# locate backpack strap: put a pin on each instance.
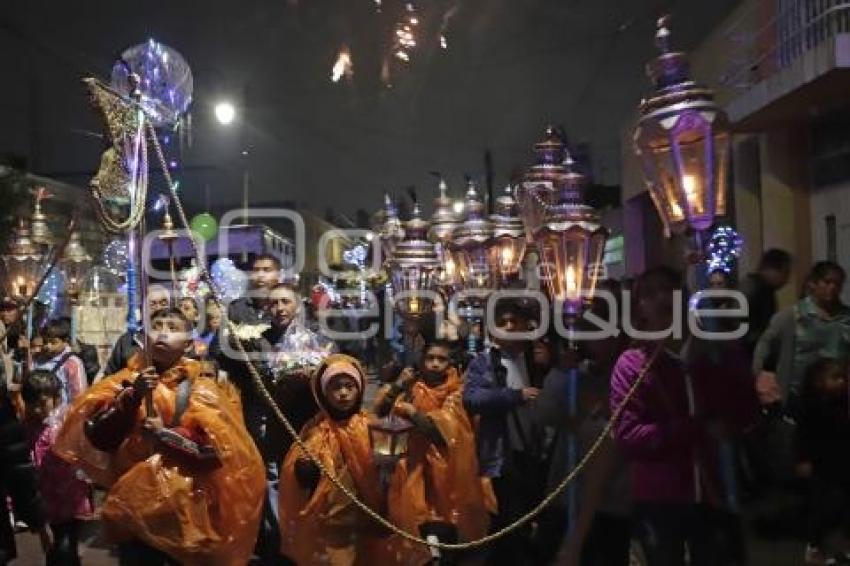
(61, 361)
(184, 390)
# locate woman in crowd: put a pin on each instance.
(670, 426)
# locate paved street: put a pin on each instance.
(95, 553)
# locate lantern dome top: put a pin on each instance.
(506, 220)
(415, 249)
(390, 226)
(22, 247)
(570, 209)
(74, 251)
(444, 219)
(670, 74)
(549, 154)
(475, 229)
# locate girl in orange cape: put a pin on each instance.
(436, 490)
(318, 523)
(185, 482)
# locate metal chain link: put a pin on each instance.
(377, 517)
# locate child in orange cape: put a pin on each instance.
(318, 523)
(436, 490)
(185, 481)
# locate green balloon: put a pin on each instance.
(205, 226)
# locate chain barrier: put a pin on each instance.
(348, 492)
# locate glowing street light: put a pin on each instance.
(225, 113)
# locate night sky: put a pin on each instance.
(511, 67)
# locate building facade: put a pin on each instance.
(781, 70)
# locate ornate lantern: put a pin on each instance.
(682, 139)
(413, 268)
(538, 188)
(38, 225)
(469, 247)
(507, 248)
(23, 262)
(443, 224)
(571, 242)
(388, 438)
(76, 263)
(389, 228)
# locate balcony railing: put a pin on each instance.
(770, 35)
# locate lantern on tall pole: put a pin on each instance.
(389, 228)
(444, 221)
(39, 228)
(571, 243)
(682, 139)
(76, 263)
(538, 188)
(507, 248)
(470, 252)
(22, 262)
(413, 268)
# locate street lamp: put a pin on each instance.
(507, 249)
(682, 139)
(225, 113)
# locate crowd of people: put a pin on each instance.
(177, 450)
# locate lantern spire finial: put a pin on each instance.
(662, 34)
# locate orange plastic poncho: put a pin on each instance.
(201, 518)
(438, 484)
(324, 526)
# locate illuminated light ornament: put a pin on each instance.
(166, 81)
(115, 257)
(230, 280)
(51, 291)
(344, 66)
(356, 256)
(723, 249)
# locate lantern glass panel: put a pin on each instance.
(382, 441)
(506, 254)
(564, 263)
(721, 163)
(473, 267)
(417, 283)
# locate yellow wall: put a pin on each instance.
(786, 218)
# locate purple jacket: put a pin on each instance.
(662, 430)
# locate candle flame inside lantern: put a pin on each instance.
(572, 285)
